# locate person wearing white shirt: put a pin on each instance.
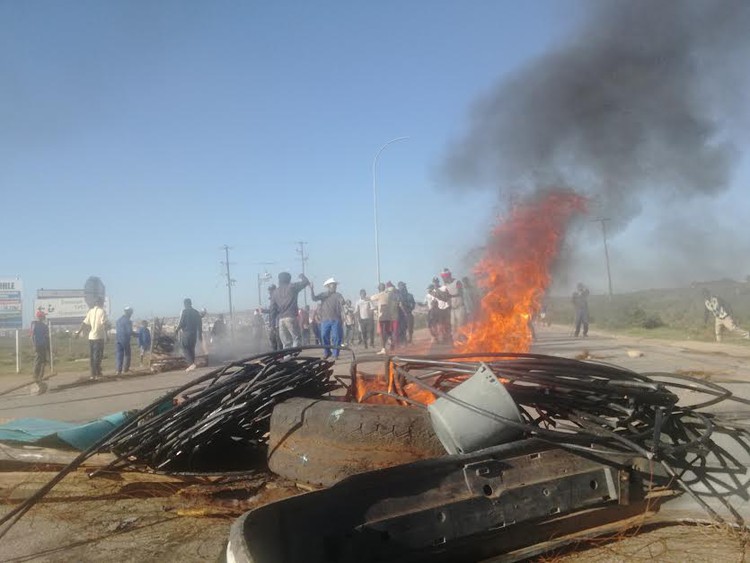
(364, 311)
(97, 324)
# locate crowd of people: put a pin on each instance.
(95, 326)
(386, 316)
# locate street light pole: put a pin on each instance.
(375, 199)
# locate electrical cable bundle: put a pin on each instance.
(226, 414)
(596, 408)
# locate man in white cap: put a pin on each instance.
(123, 334)
(331, 317)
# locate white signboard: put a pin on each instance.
(63, 309)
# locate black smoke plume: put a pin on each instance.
(640, 103)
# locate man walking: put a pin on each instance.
(40, 340)
(144, 340)
(407, 304)
(387, 308)
(364, 314)
(722, 314)
(304, 324)
(455, 293)
(442, 298)
(581, 305)
(190, 331)
(433, 314)
(273, 320)
(348, 322)
(96, 324)
(331, 317)
(284, 305)
(123, 334)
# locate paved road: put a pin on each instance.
(73, 398)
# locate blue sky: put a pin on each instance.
(139, 137)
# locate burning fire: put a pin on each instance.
(514, 275)
(514, 272)
(370, 388)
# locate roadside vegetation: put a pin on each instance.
(674, 314)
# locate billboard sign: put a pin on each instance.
(11, 303)
(63, 310)
(63, 306)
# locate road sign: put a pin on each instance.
(11, 303)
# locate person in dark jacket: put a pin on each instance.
(219, 330)
(190, 331)
(123, 334)
(407, 304)
(284, 305)
(40, 340)
(273, 320)
(581, 304)
(331, 317)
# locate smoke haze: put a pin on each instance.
(638, 107)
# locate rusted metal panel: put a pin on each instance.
(449, 509)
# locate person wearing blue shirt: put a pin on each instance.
(123, 334)
(144, 339)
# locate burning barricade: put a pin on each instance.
(483, 451)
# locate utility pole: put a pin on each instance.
(603, 221)
(230, 281)
(303, 258)
(263, 278)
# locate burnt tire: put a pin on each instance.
(321, 441)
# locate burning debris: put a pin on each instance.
(165, 351)
(583, 438)
(514, 272)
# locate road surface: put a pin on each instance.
(72, 398)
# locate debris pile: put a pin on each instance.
(165, 351)
(595, 409)
(221, 416)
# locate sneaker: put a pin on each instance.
(382, 351)
(191, 367)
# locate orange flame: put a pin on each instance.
(515, 271)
